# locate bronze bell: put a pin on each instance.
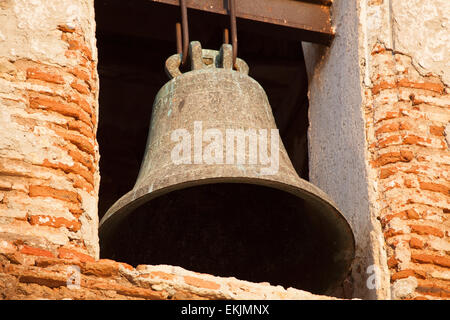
(241, 212)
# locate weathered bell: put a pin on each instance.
(217, 192)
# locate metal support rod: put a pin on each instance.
(234, 41)
(179, 38)
(185, 27)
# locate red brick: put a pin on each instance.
(437, 130)
(101, 268)
(383, 86)
(76, 211)
(387, 172)
(84, 159)
(80, 74)
(82, 128)
(402, 215)
(431, 259)
(392, 140)
(412, 214)
(392, 262)
(81, 88)
(407, 273)
(197, 282)
(66, 28)
(442, 261)
(50, 280)
(79, 141)
(44, 191)
(391, 233)
(426, 230)
(415, 140)
(435, 187)
(61, 108)
(415, 243)
(34, 73)
(87, 52)
(80, 101)
(36, 251)
(64, 253)
(81, 183)
(55, 222)
(435, 290)
(390, 127)
(436, 87)
(75, 169)
(159, 275)
(405, 126)
(73, 44)
(392, 157)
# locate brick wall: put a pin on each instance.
(36, 275)
(48, 120)
(406, 115)
(379, 112)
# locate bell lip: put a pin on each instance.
(117, 213)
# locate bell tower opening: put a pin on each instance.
(134, 39)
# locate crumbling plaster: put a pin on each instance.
(29, 28)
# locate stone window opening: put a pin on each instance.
(131, 71)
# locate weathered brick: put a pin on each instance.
(435, 187)
(427, 230)
(197, 282)
(79, 141)
(436, 87)
(159, 275)
(435, 290)
(81, 88)
(431, 259)
(416, 243)
(36, 251)
(101, 268)
(407, 273)
(65, 253)
(59, 107)
(45, 191)
(437, 130)
(80, 74)
(76, 169)
(391, 233)
(55, 222)
(392, 157)
(34, 73)
(412, 214)
(390, 127)
(81, 102)
(387, 172)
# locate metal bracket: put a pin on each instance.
(306, 20)
(205, 59)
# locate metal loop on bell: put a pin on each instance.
(222, 59)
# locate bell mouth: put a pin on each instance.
(277, 234)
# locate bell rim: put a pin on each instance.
(115, 216)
